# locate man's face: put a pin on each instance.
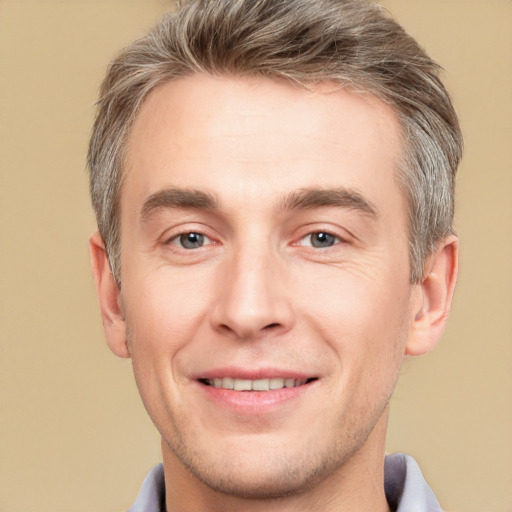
(264, 247)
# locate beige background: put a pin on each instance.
(73, 434)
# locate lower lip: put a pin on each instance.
(254, 402)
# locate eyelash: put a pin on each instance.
(331, 238)
(181, 239)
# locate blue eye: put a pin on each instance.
(191, 240)
(319, 240)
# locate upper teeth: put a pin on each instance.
(255, 385)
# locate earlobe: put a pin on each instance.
(109, 297)
(434, 298)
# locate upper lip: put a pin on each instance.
(252, 374)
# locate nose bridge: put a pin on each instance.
(252, 298)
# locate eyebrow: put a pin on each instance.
(310, 198)
(177, 198)
(303, 199)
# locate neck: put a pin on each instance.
(357, 485)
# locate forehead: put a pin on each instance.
(245, 135)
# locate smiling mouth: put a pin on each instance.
(255, 385)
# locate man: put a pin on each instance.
(273, 183)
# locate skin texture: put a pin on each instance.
(259, 168)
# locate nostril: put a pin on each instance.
(270, 326)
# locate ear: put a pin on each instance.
(433, 298)
(109, 296)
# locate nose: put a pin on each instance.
(252, 298)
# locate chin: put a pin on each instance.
(254, 484)
(261, 476)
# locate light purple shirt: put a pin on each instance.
(406, 489)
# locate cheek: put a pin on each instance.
(163, 315)
(336, 294)
(165, 308)
(363, 317)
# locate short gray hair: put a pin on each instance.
(353, 43)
